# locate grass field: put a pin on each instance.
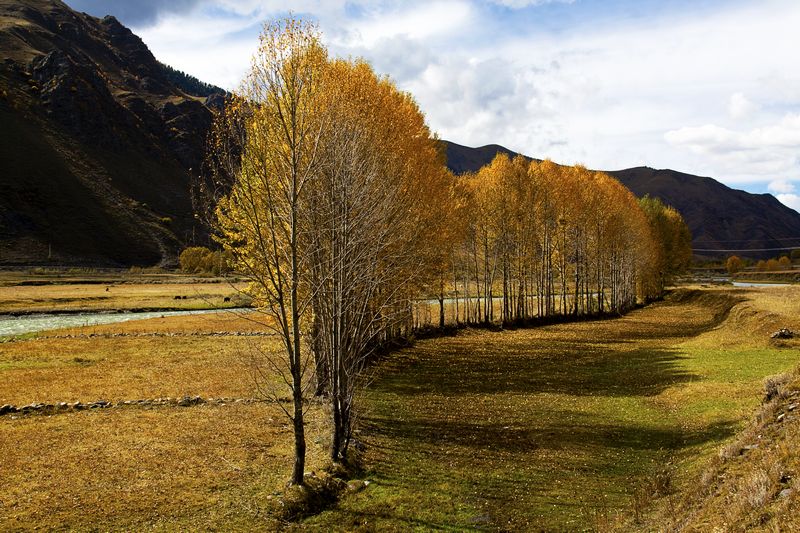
(99, 292)
(564, 427)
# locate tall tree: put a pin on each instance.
(263, 155)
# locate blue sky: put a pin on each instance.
(708, 87)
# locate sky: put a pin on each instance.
(708, 87)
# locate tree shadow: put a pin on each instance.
(574, 371)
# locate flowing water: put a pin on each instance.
(18, 325)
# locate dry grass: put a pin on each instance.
(119, 296)
(134, 468)
(223, 321)
(87, 369)
(198, 468)
(557, 427)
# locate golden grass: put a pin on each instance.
(155, 468)
(119, 296)
(165, 469)
(554, 427)
(219, 322)
(55, 370)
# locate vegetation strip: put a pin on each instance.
(144, 334)
(185, 401)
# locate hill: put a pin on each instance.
(97, 141)
(719, 217)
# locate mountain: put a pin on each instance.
(97, 141)
(720, 218)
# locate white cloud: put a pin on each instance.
(740, 107)
(781, 186)
(681, 89)
(519, 4)
(762, 152)
(790, 200)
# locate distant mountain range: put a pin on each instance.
(98, 141)
(719, 217)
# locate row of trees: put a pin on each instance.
(735, 264)
(331, 195)
(537, 239)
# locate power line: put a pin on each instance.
(747, 249)
(750, 240)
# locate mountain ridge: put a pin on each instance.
(100, 139)
(98, 142)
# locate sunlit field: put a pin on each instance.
(98, 292)
(565, 427)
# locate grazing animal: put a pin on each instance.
(226, 299)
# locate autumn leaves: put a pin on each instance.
(332, 196)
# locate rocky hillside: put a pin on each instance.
(97, 142)
(718, 216)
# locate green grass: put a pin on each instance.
(549, 429)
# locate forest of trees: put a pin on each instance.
(188, 83)
(330, 194)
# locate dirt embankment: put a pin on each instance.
(753, 481)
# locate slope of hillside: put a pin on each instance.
(461, 159)
(97, 142)
(719, 217)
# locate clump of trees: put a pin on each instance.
(734, 264)
(188, 83)
(201, 260)
(327, 184)
(546, 239)
(774, 264)
(330, 194)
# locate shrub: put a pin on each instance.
(199, 259)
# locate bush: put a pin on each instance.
(734, 264)
(201, 260)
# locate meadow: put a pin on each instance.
(583, 426)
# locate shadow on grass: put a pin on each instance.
(517, 431)
(459, 370)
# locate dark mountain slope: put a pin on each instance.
(461, 159)
(96, 144)
(719, 217)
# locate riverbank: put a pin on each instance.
(23, 293)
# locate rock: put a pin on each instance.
(749, 447)
(5, 409)
(780, 417)
(356, 485)
(785, 493)
(792, 406)
(783, 333)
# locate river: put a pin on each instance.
(18, 325)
